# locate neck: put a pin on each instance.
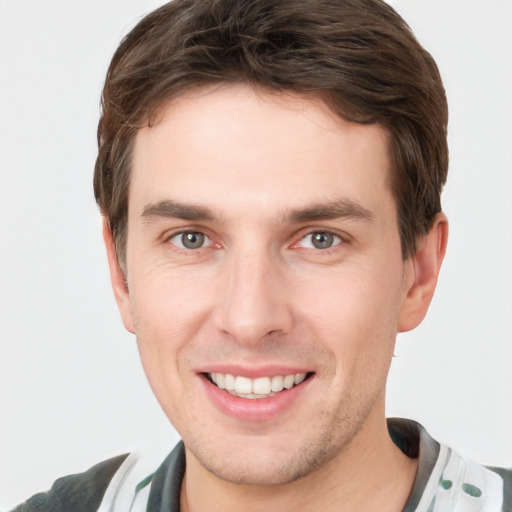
(369, 474)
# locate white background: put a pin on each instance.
(72, 392)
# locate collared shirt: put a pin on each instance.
(444, 482)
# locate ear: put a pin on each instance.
(422, 271)
(118, 279)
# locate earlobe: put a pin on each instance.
(118, 279)
(423, 270)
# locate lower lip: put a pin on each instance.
(254, 409)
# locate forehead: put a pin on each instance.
(232, 143)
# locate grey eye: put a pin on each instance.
(190, 240)
(320, 240)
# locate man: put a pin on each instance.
(270, 177)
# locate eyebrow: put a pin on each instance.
(343, 208)
(174, 209)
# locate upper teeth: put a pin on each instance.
(261, 387)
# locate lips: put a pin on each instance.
(254, 393)
(258, 388)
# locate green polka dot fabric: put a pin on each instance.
(458, 485)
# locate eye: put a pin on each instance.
(190, 240)
(319, 240)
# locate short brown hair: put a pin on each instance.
(359, 56)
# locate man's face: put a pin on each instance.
(263, 244)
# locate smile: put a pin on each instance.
(261, 387)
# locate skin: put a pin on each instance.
(258, 294)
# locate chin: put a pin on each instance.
(268, 466)
(258, 473)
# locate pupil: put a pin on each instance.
(192, 240)
(322, 240)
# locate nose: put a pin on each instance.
(254, 301)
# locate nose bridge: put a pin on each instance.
(253, 302)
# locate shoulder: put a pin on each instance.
(462, 485)
(79, 492)
(126, 482)
(506, 475)
(446, 480)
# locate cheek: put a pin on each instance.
(165, 323)
(354, 312)
(168, 311)
(166, 298)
